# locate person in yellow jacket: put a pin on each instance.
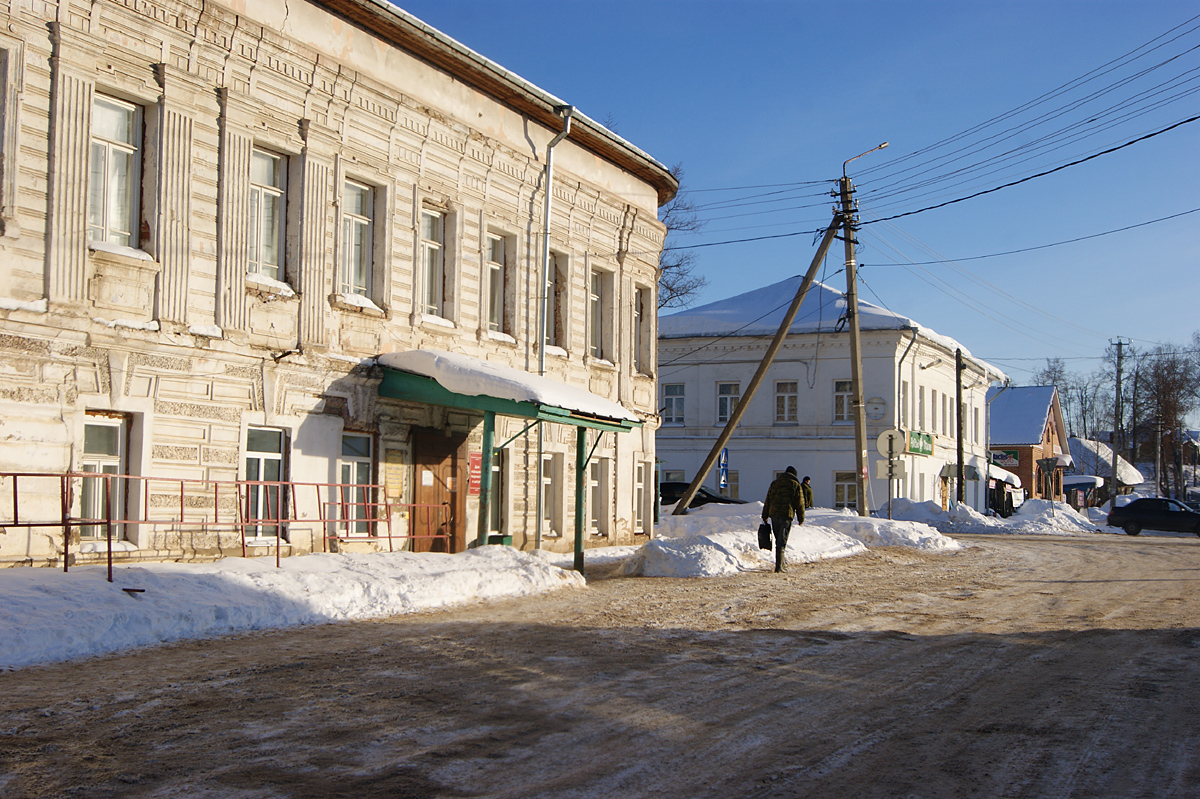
(784, 499)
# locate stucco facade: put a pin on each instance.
(802, 415)
(215, 216)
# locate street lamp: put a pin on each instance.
(855, 158)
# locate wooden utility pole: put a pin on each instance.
(1114, 444)
(736, 415)
(959, 367)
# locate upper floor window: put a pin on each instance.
(673, 396)
(642, 317)
(843, 394)
(920, 407)
(904, 404)
(499, 280)
(599, 303)
(933, 411)
(728, 395)
(433, 262)
(357, 238)
(267, 192)
(787, 402)
(114, 172)
(556, 282)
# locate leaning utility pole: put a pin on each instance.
(740, 408)
(849, 226)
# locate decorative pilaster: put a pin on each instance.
(232, 215)
(315, 253)
(174, 216)
(71, 95)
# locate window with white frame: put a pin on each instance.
(556, 307)
(103, 454)
(728, 395)
(268, 176)
(904, 404)
(845, 490)
(598, 493)
(433, 262)
(354, 484)
(921, 408)
(642, 319)
(975, 425)
(947, 409)
(933, 411)
(114, 171)
(641, 508)
(497, 269)
(264, 471)
(787, 402)
(673, 476)
(552, 500)
(599, 305)
(842, 398)
(673, 397)
(358, 202)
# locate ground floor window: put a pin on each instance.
(845, 490)
(103, 497)
(264, 466)
(731, 485)
(673, 476)
(354, 478)
(497, 494)
(643, 510)
(552, 479)
(598, 493)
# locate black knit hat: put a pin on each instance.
(791, 470)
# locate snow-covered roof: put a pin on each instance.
(463, 374)
(1003, 475)
(1082, 480)
(760, 312)
(1019, 414)
(1095, 457)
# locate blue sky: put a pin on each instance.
(778, 95)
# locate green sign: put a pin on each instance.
(920, 443)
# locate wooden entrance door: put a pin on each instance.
(441, 466)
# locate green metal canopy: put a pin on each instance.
(401, 385)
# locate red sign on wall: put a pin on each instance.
(474, 470)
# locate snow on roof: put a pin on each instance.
(1079, 480)
(463, 374)
(1095, 457)
(1003, 475)
(1019, 414)
(760, 312)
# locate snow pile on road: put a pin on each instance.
(1034, 517)
(716, 540)
(46, 615)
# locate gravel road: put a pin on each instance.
(1018, 667)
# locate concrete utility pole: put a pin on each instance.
(1114, 444)
(850, 226)
(736, 416)
(959, 367)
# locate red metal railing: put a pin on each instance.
(341, 511)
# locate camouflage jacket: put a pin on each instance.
(784, 499)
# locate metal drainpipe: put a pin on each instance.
(899, 382)
(566, 111)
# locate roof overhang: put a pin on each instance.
(1003, 475)
(457, 381)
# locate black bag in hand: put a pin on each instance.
(764, 535)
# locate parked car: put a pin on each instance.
(670, 492)
(1155, 513)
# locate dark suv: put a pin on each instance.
(670, 493)
(1155, 513)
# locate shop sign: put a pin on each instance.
(920, 443)
(1006, 458)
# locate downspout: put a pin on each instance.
(899, 397)
(566, 111)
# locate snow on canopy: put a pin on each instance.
(473, 377)
(760, 312)
(1095, 457)
(1004, 476)
(1019, 414)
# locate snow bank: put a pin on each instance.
(1034, 517)
(46, 615)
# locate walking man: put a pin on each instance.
(784, 498)
(807, 489)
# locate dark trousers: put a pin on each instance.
(780, 527)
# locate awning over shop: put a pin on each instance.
(996, 473)
(451, 380)
(460, 381)
(951, 470)
(1082, 481)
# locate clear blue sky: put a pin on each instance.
(754, 93)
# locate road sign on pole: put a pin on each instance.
(723, 469)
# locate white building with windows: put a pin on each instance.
(802, 413)
(216, 218)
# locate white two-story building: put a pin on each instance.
(802, 414)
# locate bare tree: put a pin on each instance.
(678, 283)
